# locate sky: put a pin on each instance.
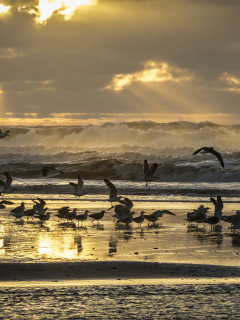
(74, 62)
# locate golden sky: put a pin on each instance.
(91, 61)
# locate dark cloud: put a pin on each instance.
(80, 56)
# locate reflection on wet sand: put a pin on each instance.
(167, 241)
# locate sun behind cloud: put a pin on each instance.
(4, 8)
(65, 7)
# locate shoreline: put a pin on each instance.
(112, 271)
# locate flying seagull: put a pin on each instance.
(7, 183)
(148, 172)
(78, 186)
(211, 150)
(4, 134)
(46, 169)
(113, 191)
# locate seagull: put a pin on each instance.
(97, 216)
(46, 169)
(123, 210)
(211, 150)
(217, 212)
(71, 215)
(140, 219)
(7, 183)
(78, 187)
(113, 192)
(82, 217)
(153, 217)
(149, 172)
(40, 204)
(235, 223)
(4, 134)
(218, 207)
(30, 212)
(44, 217)
(127, 219)
(199, 215)
(62, 212)
(3, 202)
(18, 212)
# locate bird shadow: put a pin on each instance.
(98, 226)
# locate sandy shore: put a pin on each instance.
(93, 270)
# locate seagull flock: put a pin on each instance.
(122, 210)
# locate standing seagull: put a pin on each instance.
(149, 172)
(18, 212)
(7, 183)
(113, 192)
(97, 216)
(4, 134)
(45, 170)
(211, 150)
(78, 187)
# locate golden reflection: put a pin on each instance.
(52, 247)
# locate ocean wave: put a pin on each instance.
(123, 136)
(124, 170)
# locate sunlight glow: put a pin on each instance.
(4, 8)
(64, 7)
(153, 72)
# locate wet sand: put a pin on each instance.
(111, 270)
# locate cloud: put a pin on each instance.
(153, 72)
(232, 81)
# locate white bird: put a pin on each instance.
(211, 150)
(149, 172)
(122, 209)
(113, 192)
(235, 223)
(78, 187)
(7, 184)
(218, 207)
(18, 212)
(4, 134)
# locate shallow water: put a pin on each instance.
(185, 301)
(171, 240)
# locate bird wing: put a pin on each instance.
(111, 187)
(152, 170)
(219, 208)
(80, 181)
(219, 157)
(8, 179)
(214, 202)
(198, 151)
(73, 184)
(145, 167)
(45, 171)
(6, 202)
(168, 212)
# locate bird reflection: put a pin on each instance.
(78, 242)
(65, 225)
(112, 246)
(43, 227)
(98, 226)
(201, 234)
